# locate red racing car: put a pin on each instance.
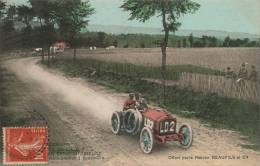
(152, 124)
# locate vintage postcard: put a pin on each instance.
(130, 82)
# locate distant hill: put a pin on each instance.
(117, 29)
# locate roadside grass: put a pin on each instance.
(8, 118)
(219, 112)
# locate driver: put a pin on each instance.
(129, 103)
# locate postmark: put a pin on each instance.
(25, 145)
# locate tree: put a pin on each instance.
(7, 29)
(7, 34)
(101, 36)
(168, 10)
(25, 14)
(213, 41)
(179, 43)
(204, 41)
(11, 12)
(191, 40)
(115, 43)
(2, 9)
(2, 12)
(226, 42)
(184, 43)
(44, 11)
(71, 17)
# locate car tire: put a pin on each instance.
(139, 123)
(146, 140)
(116, 122)
(187, 136)
(130, 117)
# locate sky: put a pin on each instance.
(225, 15)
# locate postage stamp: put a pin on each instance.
(25, 145)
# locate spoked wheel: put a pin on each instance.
(146, 140)
(187, 136)
(116, 122)
(130, 121)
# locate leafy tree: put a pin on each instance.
(213, 41)
(169, 11)
(2, 12)
(44, 11)
(7, 33)
(197, 44)
(25, 14)
(204, 41)
(184, 43)
(2, 9)
(71, 17)
(115, 43)
(226, 42)
(142, 44)
(101, 36)
(11, 12)
(179, 44)
(7, 29)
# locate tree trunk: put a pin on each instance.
(42, 32)
(74, 55)
(48, 56)
(164, 53)
(42, 54)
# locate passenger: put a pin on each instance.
(143, 104)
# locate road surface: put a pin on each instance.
(84, 110)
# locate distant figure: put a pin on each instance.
(92, 48)
(243, 73)
(230, 73)
(241, 81)
(38, 49)
(253, 74)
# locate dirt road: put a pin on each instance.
(84, 110)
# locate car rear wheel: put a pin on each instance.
(187, 136)
(146, 140)
(116, 122)
(138, 123)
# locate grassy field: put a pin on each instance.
(214, 58)
(219, 111)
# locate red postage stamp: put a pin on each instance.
(25, 145)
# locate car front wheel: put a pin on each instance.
(187, 136)
(146, 140)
